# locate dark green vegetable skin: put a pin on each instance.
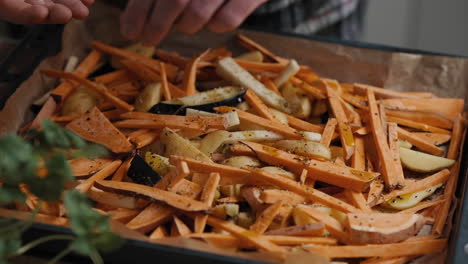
(142, 173)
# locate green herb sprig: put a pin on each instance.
(21, 160)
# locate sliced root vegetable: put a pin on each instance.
(309, 149)
(150, 96)
(121, 172)
(381, 93)
(381, 228)
(137, 48)
(389, 166)
(426, 117)
(290, 70)
(311, 229)
(79, 102)
(417, 125)
(173, 144)
(255, 56)
(86, 167)
(433, 138)
(384, 250)
(265, 218)
(279, 171)
(257, 104)
(270, 85)
(172, 199)
(328, 132)
(230, 70)
(405, 144)
(179, 228)
(303, 125)
(410, 200)
(231, 118)
(423, 162)
(300, 104)
(252, 45)
(446, 106)
(308, 89)
(210, 188)
(242, 161)
(331, 224)
(159, 164)
(152, 216)
(419, 142)
(190, 75)
(340, 176)
(158, 233)
(101, 175)
(309, 193)
(123, 215)
(273, 196)
(115, 200)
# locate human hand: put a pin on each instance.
(151, 20)
(43, 11)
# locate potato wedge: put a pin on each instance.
(255, 56)
(405, 144)
(139, 48)
(423, 162)
(150, 96)
(411, 199)
(279, 171)
(310, 149)
(300, 103)
(79, 102)
(242, 161)
(173, 144)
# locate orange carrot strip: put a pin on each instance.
(86, 67)
(274, 196)
(303, 125)
(457, 137)
(146, 139)
(99, 88)
(265, 218)
(419, 143)
(200, 223)
(102, 174)
(328, 132)
(375, 190)
(172, 199)
(310, 90)
(419, 185)
(344, 177)
(417, 125)
(252, 45)
(233, 242)
(137, 133)
(261, 66)
(270, 84)
(158, 233)
(129, 55)
(152, 216)
(259, 106)
(190, 75)
(165, 84)
(433, 138)
(380, 93)
(358, 160)
(389, 170)
(113, 114)
(383, 250)
(179, 228)
(113, 77)
(46, 112)
(123, 215)
(172, 58)
(394, 145)
(86, 167)
(268, 124)
(95, 127)
(429, 118)
(347, 139)
(331, 224)
(120, 174)
(257, 240)
(309, 193)
(211, 186)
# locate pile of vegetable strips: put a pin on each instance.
(258, 152)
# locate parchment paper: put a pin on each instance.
(443, 76)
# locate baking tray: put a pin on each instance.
(44, 40)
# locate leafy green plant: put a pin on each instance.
(39, 161)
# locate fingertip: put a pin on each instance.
(59, 14)
(38, 14)
(87, 2)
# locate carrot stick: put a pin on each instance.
(257, 104)
(123, 215)
(383, 250)
(165, 84)
(86, 67)
(357, 199)
(273, 196)
(133, 135)
(252, 45)
(417, 125)
(114, 77)
(380, 93)
(310, 90)
(190, 75)
(172, 199)
(258, 241)
(85, 167)
(419, 185)
(99, 88)
(394, 145)
(270, 84)
(449, 107)
(158, 233)
(307, 192)
(375, 190)
(46, 112)
(200, 223)
(328, 132)
(233, 242)
(120, 174)
(102, 174)
(172, 58)
(129, 55)
(346, 136)
(389, 168)
(331, 224)
(265, 218)
(429, 118)
(261, 66)
(146, 139)
(457, 137)
(344, 177)
(269, 125)
(433, 138)
(211, 186)
(179, 228)
(419, 143)
(303, 125)
(152, 216)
